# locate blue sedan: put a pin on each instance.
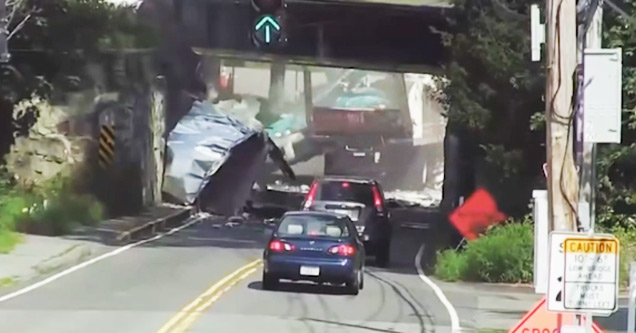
(320, 247)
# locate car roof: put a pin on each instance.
(313, 213)
(353, 179)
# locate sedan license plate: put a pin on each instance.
(309, 270)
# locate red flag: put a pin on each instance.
(476, 214)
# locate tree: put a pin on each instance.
(616, 200)
(493, 92)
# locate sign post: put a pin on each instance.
(631, 313)
(583, 276)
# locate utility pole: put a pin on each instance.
(591, 39)
(4, 33)
(561, 45)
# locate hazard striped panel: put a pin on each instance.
(106, 146)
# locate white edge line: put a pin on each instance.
(93, 260)
(454, 318)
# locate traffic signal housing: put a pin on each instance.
(267, 30)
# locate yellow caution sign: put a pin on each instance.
(106, 146)
(597, 246)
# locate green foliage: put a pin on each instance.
(53, 208)
(627, 238)
(8, 240)
(494, 93)
(494, 87)
(503, 254)
(82, 25)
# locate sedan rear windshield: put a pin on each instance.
(313, 226)
(345, 191)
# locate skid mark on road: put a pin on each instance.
(186, 317)
(366, 328)
(424, 327)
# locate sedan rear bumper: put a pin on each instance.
(337, 270)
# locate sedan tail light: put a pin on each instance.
(377, 199)
(278, 246)
(343, 250)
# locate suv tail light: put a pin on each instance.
(343, 250)
(278, 246)
(311, 195)
(377, 199)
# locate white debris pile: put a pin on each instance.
(426, 198)
(244, 111)
(282, 187)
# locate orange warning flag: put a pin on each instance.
(476, 214)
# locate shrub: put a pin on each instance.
(53, 208)
(503, 254)
(627, 238)
(8, 240)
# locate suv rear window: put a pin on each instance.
(313, 226)
(345, 191)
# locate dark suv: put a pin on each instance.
(363, 201)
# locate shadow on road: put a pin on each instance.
(301, 287)
(617, 322)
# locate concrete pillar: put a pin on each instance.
(157, 141)
(277, 86)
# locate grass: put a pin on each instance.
(7, 281)
(503, 254)
(8, 240)
(52, 208)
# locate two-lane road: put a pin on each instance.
(207, 279)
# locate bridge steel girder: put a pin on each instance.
(324, 33)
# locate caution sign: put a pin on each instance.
(591, 274)
(106, 146)
(540, 320)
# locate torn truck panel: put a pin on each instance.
(213, 159)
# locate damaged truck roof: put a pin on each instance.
(213, 160)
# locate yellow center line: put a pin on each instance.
(184, 319)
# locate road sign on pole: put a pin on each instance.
(583, 273)
(591, 274)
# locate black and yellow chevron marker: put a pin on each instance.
(106, 146)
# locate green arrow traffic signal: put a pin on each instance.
(267, 22)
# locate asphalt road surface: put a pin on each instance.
(204, 278)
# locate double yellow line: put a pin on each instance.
(184, 319)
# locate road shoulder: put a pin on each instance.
(37, 256)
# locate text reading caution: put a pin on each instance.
(591, 274)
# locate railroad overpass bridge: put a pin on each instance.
(386, 35)
(199, 35)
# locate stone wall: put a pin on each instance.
(119, 89)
